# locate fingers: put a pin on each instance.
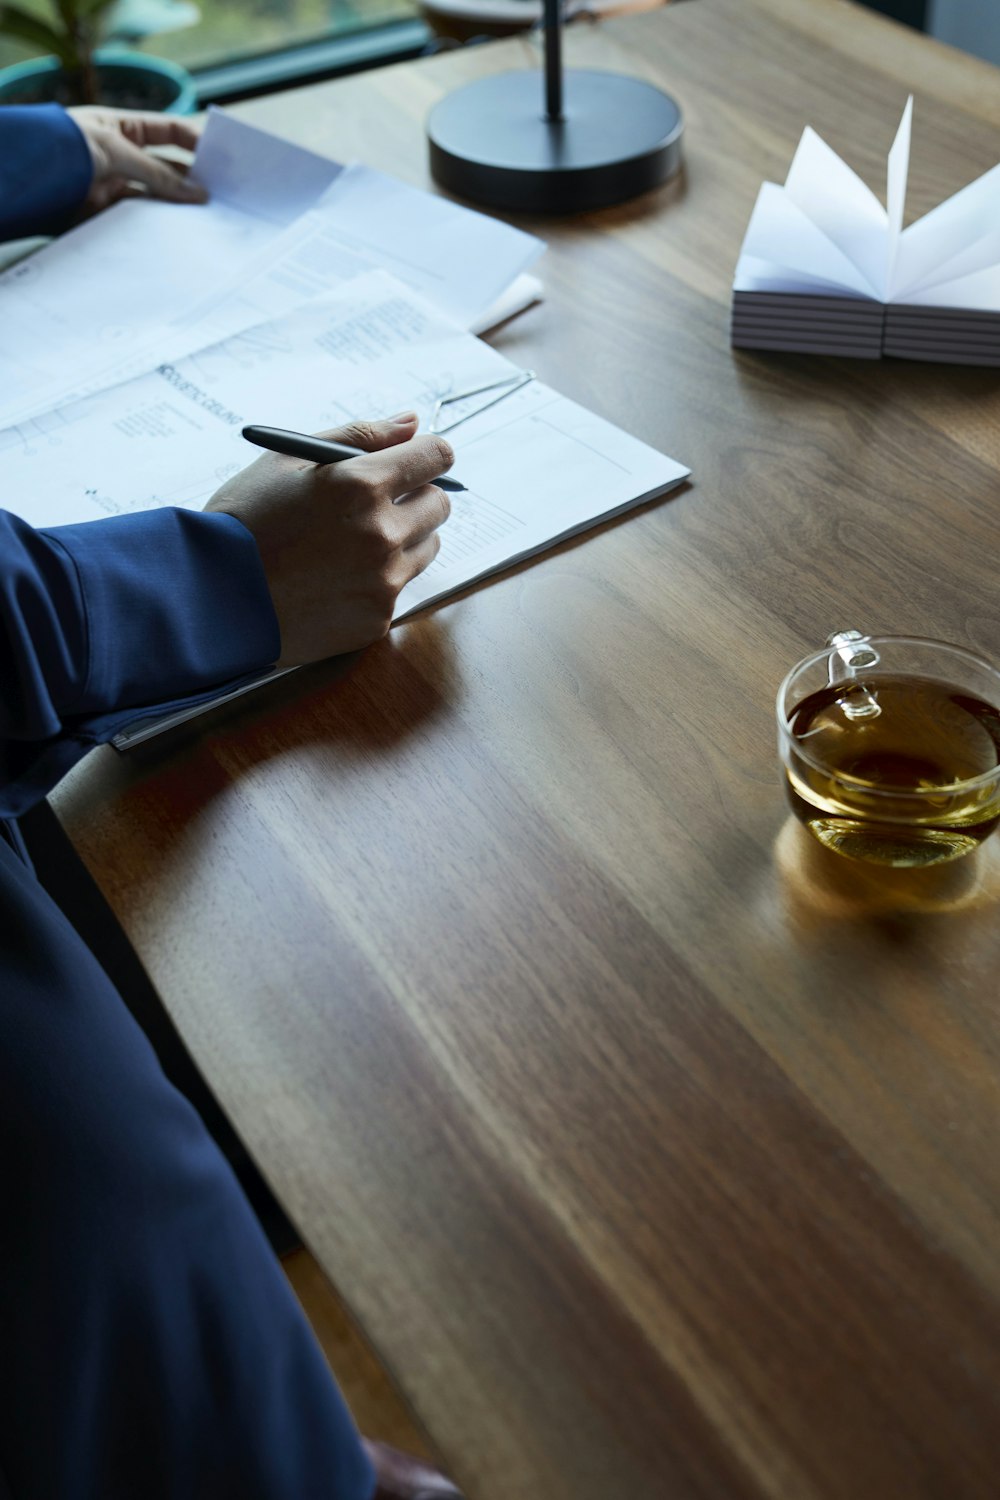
(161, 180)
(420, 514)
(145, 129)
(415, 559)
(141, 127)
(105, 194)
(372, 436)
(335, 550)
(400, 470)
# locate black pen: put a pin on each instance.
(318, 450)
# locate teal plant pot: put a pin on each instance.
(126, 80)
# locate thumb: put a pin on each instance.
(158, 176)
(371, 436)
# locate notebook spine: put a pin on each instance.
(797, 323)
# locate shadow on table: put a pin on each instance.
(365, 700)
(362, 701)
(818, 885)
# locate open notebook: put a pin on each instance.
(826, 269)
(538, 467)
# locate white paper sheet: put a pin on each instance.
(978, 292)
(538, 467)
(173, 436)
(87, 308)
(897, 170)
(151, 282)
(461, 261)
(524, 291)
(258, 173)
(790, 251)
(843, 209)
(958, 237)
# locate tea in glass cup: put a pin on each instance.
(891, 748)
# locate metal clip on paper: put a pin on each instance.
(505, 387)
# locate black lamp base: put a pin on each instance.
(491, 141)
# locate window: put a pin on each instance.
(230, 29)
(236, 47)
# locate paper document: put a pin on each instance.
(146, 282)
(524, 291)
(466, 264)
(114, 288)
(460, 260)
(825, 268)
(538, 467)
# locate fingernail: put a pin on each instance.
(404, 419)
(193, 191)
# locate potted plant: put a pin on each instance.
(76, 69)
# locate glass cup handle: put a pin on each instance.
(851, 652)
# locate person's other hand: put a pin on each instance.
(339, 541)
(124, 167)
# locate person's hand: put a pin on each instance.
(338, 542)
(118, 141)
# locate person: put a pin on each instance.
(152, 1347)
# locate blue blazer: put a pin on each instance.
(152, 1346)
(45, 169)
(100, 620)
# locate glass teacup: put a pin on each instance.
(891, 748)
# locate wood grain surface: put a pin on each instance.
(655, 1148)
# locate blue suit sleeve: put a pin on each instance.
(45, 169)
(100, 620)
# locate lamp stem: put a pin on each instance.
(553, 60)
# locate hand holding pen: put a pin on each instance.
(339, 541)
(320, 450)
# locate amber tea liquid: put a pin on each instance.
(905, 741)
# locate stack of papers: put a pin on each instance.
(146, 282)
(304, 296)
(825, 269)
(538, 467)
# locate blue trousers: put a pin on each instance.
(150, 1348)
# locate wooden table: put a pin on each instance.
(657, 1155)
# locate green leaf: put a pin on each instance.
(25, 27)
(91, 9)
(67, 12)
